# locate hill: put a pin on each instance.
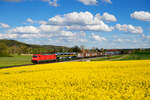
(20, 47)
(11, 43)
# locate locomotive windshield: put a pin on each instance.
(35, 56)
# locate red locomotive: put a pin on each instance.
(37, 58)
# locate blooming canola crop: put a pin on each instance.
(105, 80)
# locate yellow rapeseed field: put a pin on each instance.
(105, 80)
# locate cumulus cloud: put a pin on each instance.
(81, 18)
(3, 25)
(24, 29)
(59, 37)
(9, 36)
(107, 1)
(89, 2)
(129, 28)
(52, 2)
(141, 15)
(24, 36)
(49, 28)
(100, 27)
(67, 33)
(98, 38)
(108, 17)
(146, 36)
(31, 36)
(71, 37)
(82, 21)
(29, 20)
(94, 2)
(52, 32)
(42, 22)
(122, 40)
(35, 30)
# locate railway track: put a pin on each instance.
(79, 59)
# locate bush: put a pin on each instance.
(3, 50)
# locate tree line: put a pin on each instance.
(23, 49)
(6, 50)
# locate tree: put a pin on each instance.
(3, 50)
(76, 49)
(70, 50)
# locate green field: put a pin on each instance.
(15, 60)
(20, 60)
(135, 56)
(107, 58)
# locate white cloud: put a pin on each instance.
(35, 30)
(107, 1)
(38, 35)
(50, 32)
(146, 36)
(24, 29)
(30, 20)
(89, 2)
(24, 36)
(98, 38)
(73, 18)
(100, 27)
(122, 40)
(129, 28)
(141, 15)
(67, 33)
(42, 22)
(1, 36)
(49, 28)
(71, 37)
(94, 2)
(2, 25)
(12, 36)
(119, 40)
(108, 17)
(82, 21)
(52, 2)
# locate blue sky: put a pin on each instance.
(92, 23)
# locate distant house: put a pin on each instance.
(112, 52)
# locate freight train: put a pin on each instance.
(38, 58)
